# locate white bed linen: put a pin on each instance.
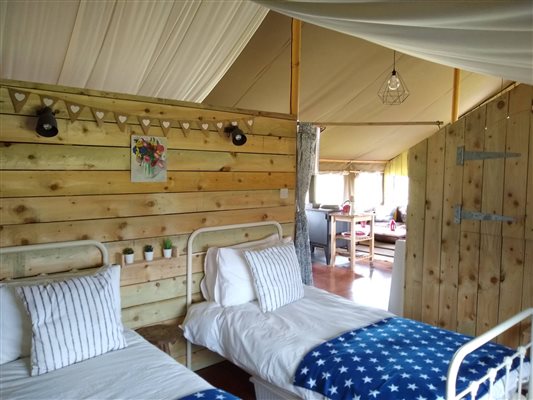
(140, 371)
(271, 345)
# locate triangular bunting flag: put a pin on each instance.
(74, 110)
(121, 120)
(98, 116)
(18, 98)
(165, 125)
(220, 126)
(48, 101)
(145, 124)
(204, 126)
(249, 122)
(185, 127)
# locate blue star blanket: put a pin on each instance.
(395, 359)
(210, 394)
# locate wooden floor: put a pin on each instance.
(367, 286)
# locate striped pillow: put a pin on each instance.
(72, 320)
(276, 275)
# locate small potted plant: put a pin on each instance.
(128, 255)
(148, 252)
(167, 248)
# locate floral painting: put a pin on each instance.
(148, 159)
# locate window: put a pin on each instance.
(368, 190)
(329, 189)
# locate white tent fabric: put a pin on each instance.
(126, 46)
(493, 37)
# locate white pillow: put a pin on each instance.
(72, 320)
(234, 284)
(209, 282)
(276, 274)
(234, 280)
(15, 324)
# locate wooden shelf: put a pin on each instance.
(358, 238)
(155, 261)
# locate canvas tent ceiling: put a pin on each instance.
(210, 51)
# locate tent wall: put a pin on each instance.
(77, 186)
(471, 275)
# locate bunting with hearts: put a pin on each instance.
(185, 127)
(74, 110)
(204, 126)
(121, 120)
(20, 97)
(165, 126)
(48, 101)
(145, 122)
(99, 116)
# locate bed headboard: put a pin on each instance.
(58, 245)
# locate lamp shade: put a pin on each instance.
(393, 90)
(238, 138)
(46, 123)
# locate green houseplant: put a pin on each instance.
(148, 252)
(167, 248)
(129, 255)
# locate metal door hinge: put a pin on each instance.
(463, 155)
(461, 214)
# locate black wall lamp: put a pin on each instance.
(46, 123)
(237, 135)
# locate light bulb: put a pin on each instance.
(47, 127)
(393, 82)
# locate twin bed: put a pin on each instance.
(93, 360)
(296, 341)
(367, 353)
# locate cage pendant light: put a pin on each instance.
(393, 90)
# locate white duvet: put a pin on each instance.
(140, 371)
(271, 345)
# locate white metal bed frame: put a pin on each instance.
(264, 390)
(58, 245)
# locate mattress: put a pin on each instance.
(140, 371)
(271, 345)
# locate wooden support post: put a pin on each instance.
(455, 93)
(296, 26)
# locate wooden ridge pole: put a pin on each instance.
(455, 93)
(296, 38)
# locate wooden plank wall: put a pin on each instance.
(471, 276)
(77, 186)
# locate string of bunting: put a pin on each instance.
(20, 97)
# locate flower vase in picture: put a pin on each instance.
(148, 159)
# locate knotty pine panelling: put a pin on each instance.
(472, 275)
(77, 186)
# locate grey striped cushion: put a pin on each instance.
(72, 320)
(276, 275)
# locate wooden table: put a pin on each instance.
(161, 336)
(352, 238)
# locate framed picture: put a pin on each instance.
(148, 159)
